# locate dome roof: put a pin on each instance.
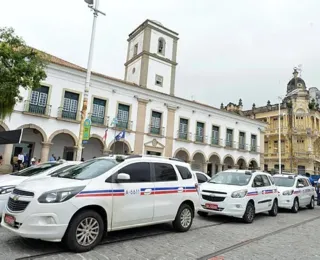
(295, 83)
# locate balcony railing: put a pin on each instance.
(69, 115)
(156, 130)
(124, 125)
(230, 144)
(102, 121)
(37, 109)
(216, 141)
(200, 138)
(243, 146)
(187, 136)
(254, 149)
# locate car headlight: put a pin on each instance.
(287, 192)
(239, 194)
(6, 189)
(61, 195)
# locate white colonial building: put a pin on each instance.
(154, 119)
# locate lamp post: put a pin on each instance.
(88, 76)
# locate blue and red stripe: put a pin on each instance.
(101, 193)
(252, 193)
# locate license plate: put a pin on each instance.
(10, 220)
(211, 206)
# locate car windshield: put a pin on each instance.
(88, 170)
(231, 178)
(283, 182)
(33, 170)
(62, 169)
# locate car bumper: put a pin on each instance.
(285, 202)
(3, 202)
(41, 221)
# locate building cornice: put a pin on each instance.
(151, 55)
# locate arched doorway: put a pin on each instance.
(242, 165)
(94, 148)
(120, 147)
(31, 143)
(63, 145)
(228, 162)
(2, 129)
(253, 165)
(198, 161)
(214, 163)
(182, 154)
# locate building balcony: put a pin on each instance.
(254, 149)
(184, 136)
(68, 115)
(39, 110)
(230, 144)
(152, 130)
(217, 142)
(124, 125)
(243, 147)
(275, 130)
(202, 139)
(99, 121)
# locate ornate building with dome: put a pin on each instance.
(300, 130)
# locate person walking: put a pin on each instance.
(20, 160)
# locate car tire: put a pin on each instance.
(184, 218)
(295, 206)
(274, 210)
(312, 202)
(203, 214)
(82, 219)
(249, 214)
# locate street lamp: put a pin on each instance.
(96, 11)
(279, 125)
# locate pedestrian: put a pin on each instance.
(1, 159)
(33, 161)
(20, 160)
(52, 158)
(318, 192)
(82, 159)
(38, 162)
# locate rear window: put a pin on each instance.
(34, 170)
(283, 181)
(165, 172)
(184, 172)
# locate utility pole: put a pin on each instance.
(88, 77)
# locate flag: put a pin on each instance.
(121, 135)
(105, 135)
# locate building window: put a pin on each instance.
(161, 46)
(38, 100)
(155, 127)
(253, 143)
(229, 138)
(200, 132)
(215, 135)
(301, 147)
(183, 128)
(135, 50)
(242, 140)
(266, 147)
(98, 111)
(159, 81)
(70, 105)
(123, 116)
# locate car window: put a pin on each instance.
(165, 172)
(266, 181)
(283, 181)
(139, 172)
(184, 172)
(306, 182)
(300, 181)
(201, 178)
(258, 181)
(88, 170)
(231, 178)
(61, 169)
(34, 170)
(271, 179)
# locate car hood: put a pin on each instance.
(8, 180)
(221, 187)
(282, 189)
(44, 184)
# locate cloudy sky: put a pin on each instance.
(227, 50)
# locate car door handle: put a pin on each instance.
(180, 189)
(147, 191)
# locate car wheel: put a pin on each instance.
(202, 214)
(84, 232)
(295, 206)
(311, 205)
(274, 210)
(184, 218)
(249, 214)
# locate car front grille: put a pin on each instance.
(217, 192)
(17, 205)
(212, 198)
(23, 193)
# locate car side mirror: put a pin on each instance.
(300, 185)
(123, 177)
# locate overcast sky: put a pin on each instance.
(228, 49)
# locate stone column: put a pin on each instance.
(7, 153)
(205, 167)
(170, 130)
(220, 167)
(45, 151)
(140, 125)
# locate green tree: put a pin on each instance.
(20, 66)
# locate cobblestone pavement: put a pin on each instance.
(287, 236)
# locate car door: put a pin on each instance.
(135, 202)
(258, 187)
(267, 192)
(308, 191)
(301, 192)
(168, 192)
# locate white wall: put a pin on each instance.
(138, 39)
(134, 77)
(59, 143)
(155, 35)
(94, 148)
(158, 67)
(29, 136)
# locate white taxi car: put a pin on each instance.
(79, 205)
(240, 194)
(295, 191)
(9, 181)
(201, 177)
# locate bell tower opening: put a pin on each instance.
(152, 57)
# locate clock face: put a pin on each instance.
(299, 85)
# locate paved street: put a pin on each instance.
(288, 236)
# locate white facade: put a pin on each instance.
(53, 131)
